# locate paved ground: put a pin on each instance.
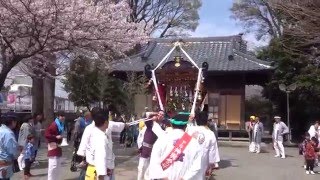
(237, 164)
(124, 164)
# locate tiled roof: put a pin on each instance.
(216, 51)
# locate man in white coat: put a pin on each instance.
(279, 130)
(208, 142)
(314, 130)
(86, 146)
(85, 149)
(103, 161)
(176, 155)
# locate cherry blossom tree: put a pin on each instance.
(32, 29)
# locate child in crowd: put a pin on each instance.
(29, 156)
(310, 155)
(302, 147)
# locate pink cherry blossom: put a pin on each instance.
(30, 28)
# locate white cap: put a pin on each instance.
(277, 117)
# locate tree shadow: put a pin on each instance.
(212, 177)
(42, 165)
(223, 164)
(40, 175)
(262, 151)
(289, 156)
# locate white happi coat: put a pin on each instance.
(141, 136)
(279, 129)
(208, 142)
(85, 148)
(113, 127)
(102, 152)
(314, 132)
(187, 169)
(156, 128)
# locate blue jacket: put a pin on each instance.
(29, 151)
(8, 149)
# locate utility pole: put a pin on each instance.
(288, 90)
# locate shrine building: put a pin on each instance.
(227, 69)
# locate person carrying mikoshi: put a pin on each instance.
(208, 143)
(149, 138)
(176, 155)
(87, 146)
(81, 124)
(102, 150)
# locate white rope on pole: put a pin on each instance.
(157, 89)
(190, 59)
(138, 121)
(197, 92)
(169, 53)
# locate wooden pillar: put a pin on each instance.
(243, 99)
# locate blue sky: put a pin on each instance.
(215, 20)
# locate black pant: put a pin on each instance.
(27, 167)
(123, 137)
(310, 164)
(35, 153)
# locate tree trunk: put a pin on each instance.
(3, 76)
(48, 103)
(37, 95)
(49, 93)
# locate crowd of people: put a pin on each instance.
(309, 148)
(255, 130)
(177, 148)
(191, 154)
(18, 151)
(21, 139)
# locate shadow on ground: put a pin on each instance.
(226, 163)
(43, 164)
(40, 175)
